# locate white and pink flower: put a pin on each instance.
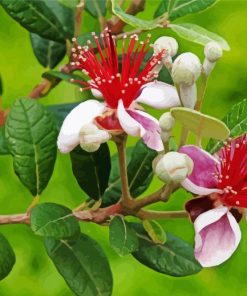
(123, 85)
(221, 180)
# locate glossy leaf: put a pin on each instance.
(36, 17)
(122, 238)
(132, 20)
(179, 8)
(200, 124)
(49, 53)
(7, 257)
(198, 34)
(92, 170)
(175, 257)
(53, 220)
(96, 7)
(69, 3)
(31, 135)
(236, 120)
(3, 143)
(83, 265)
(140, 173)
(155, 231)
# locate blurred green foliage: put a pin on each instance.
(34, 274)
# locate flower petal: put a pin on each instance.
(217, 236)
(203, 174)
(193, 188)
(159, 95)
(197, 206)
(152, 136)
(83, 114)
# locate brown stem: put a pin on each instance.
(15, 219)
(78, 17)
(148, 215)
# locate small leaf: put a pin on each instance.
(132, 20)
(83, 265)
(175, 257)
(56, 76)
(200, 124)
(92, 170)
(7, 257)
(179, 8)
(155, 231)
(96, 8)
(31, 136)
(122, 238)
(49, 53)
(3, 142)
(36, 17)
(198, 34)
(236, 120)
(53, 220)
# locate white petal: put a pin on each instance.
(159, 95)
(83, 114)
(128, 123)
(193, 188)
(217, 236)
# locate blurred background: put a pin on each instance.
(33, 273)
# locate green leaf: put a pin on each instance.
(132, 20)
(175, 257)
(122, 238)
(140, 174)
(198, 34)
(179, 8)
(200, 124)
(83, 265)
(53, 220)
(155, 231)
(56, 76)
(7, 257)
(31, 135)
(49, 53)
(92, 170)
(96, 7)
(69, 3)
(236, 120)
(3, 143)
(37, 17)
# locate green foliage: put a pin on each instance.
(236, 120)
(69, 3)
(200, 124)
(122, 237)
(31, 137)
(83, 265)
(53, 220)
(155, 231)
(175, 257)
(3, 143)
(49, 53)
(7, 257)
(92, 170)
(1, 85)
(198, 34)
(96, 8)
(56, 76)
(179, 8)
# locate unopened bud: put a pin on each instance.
(213, 51)
(186, 69)
(168, 43)
(166, 121)
(91, 137)
(173, 167)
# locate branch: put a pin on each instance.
(15, 219)
(148, 215)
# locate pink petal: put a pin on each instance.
(159, 95)
(193, 188)
(217, 236)
(204, 167)
(152, 136)
(83, 114)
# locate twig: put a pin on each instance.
(148, 215)
(15, 219)
(78, 17)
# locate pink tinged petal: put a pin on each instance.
(193, 188)
(152, 136)
(205, 166)
(217, 236)
(83, 114)
(159, 95)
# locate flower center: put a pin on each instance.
(116, 77)
(232, 172)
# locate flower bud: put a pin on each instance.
(173, 167)
(186, 69)
(166, 121)
(91, 137)
(213, 51)
(168, 43)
